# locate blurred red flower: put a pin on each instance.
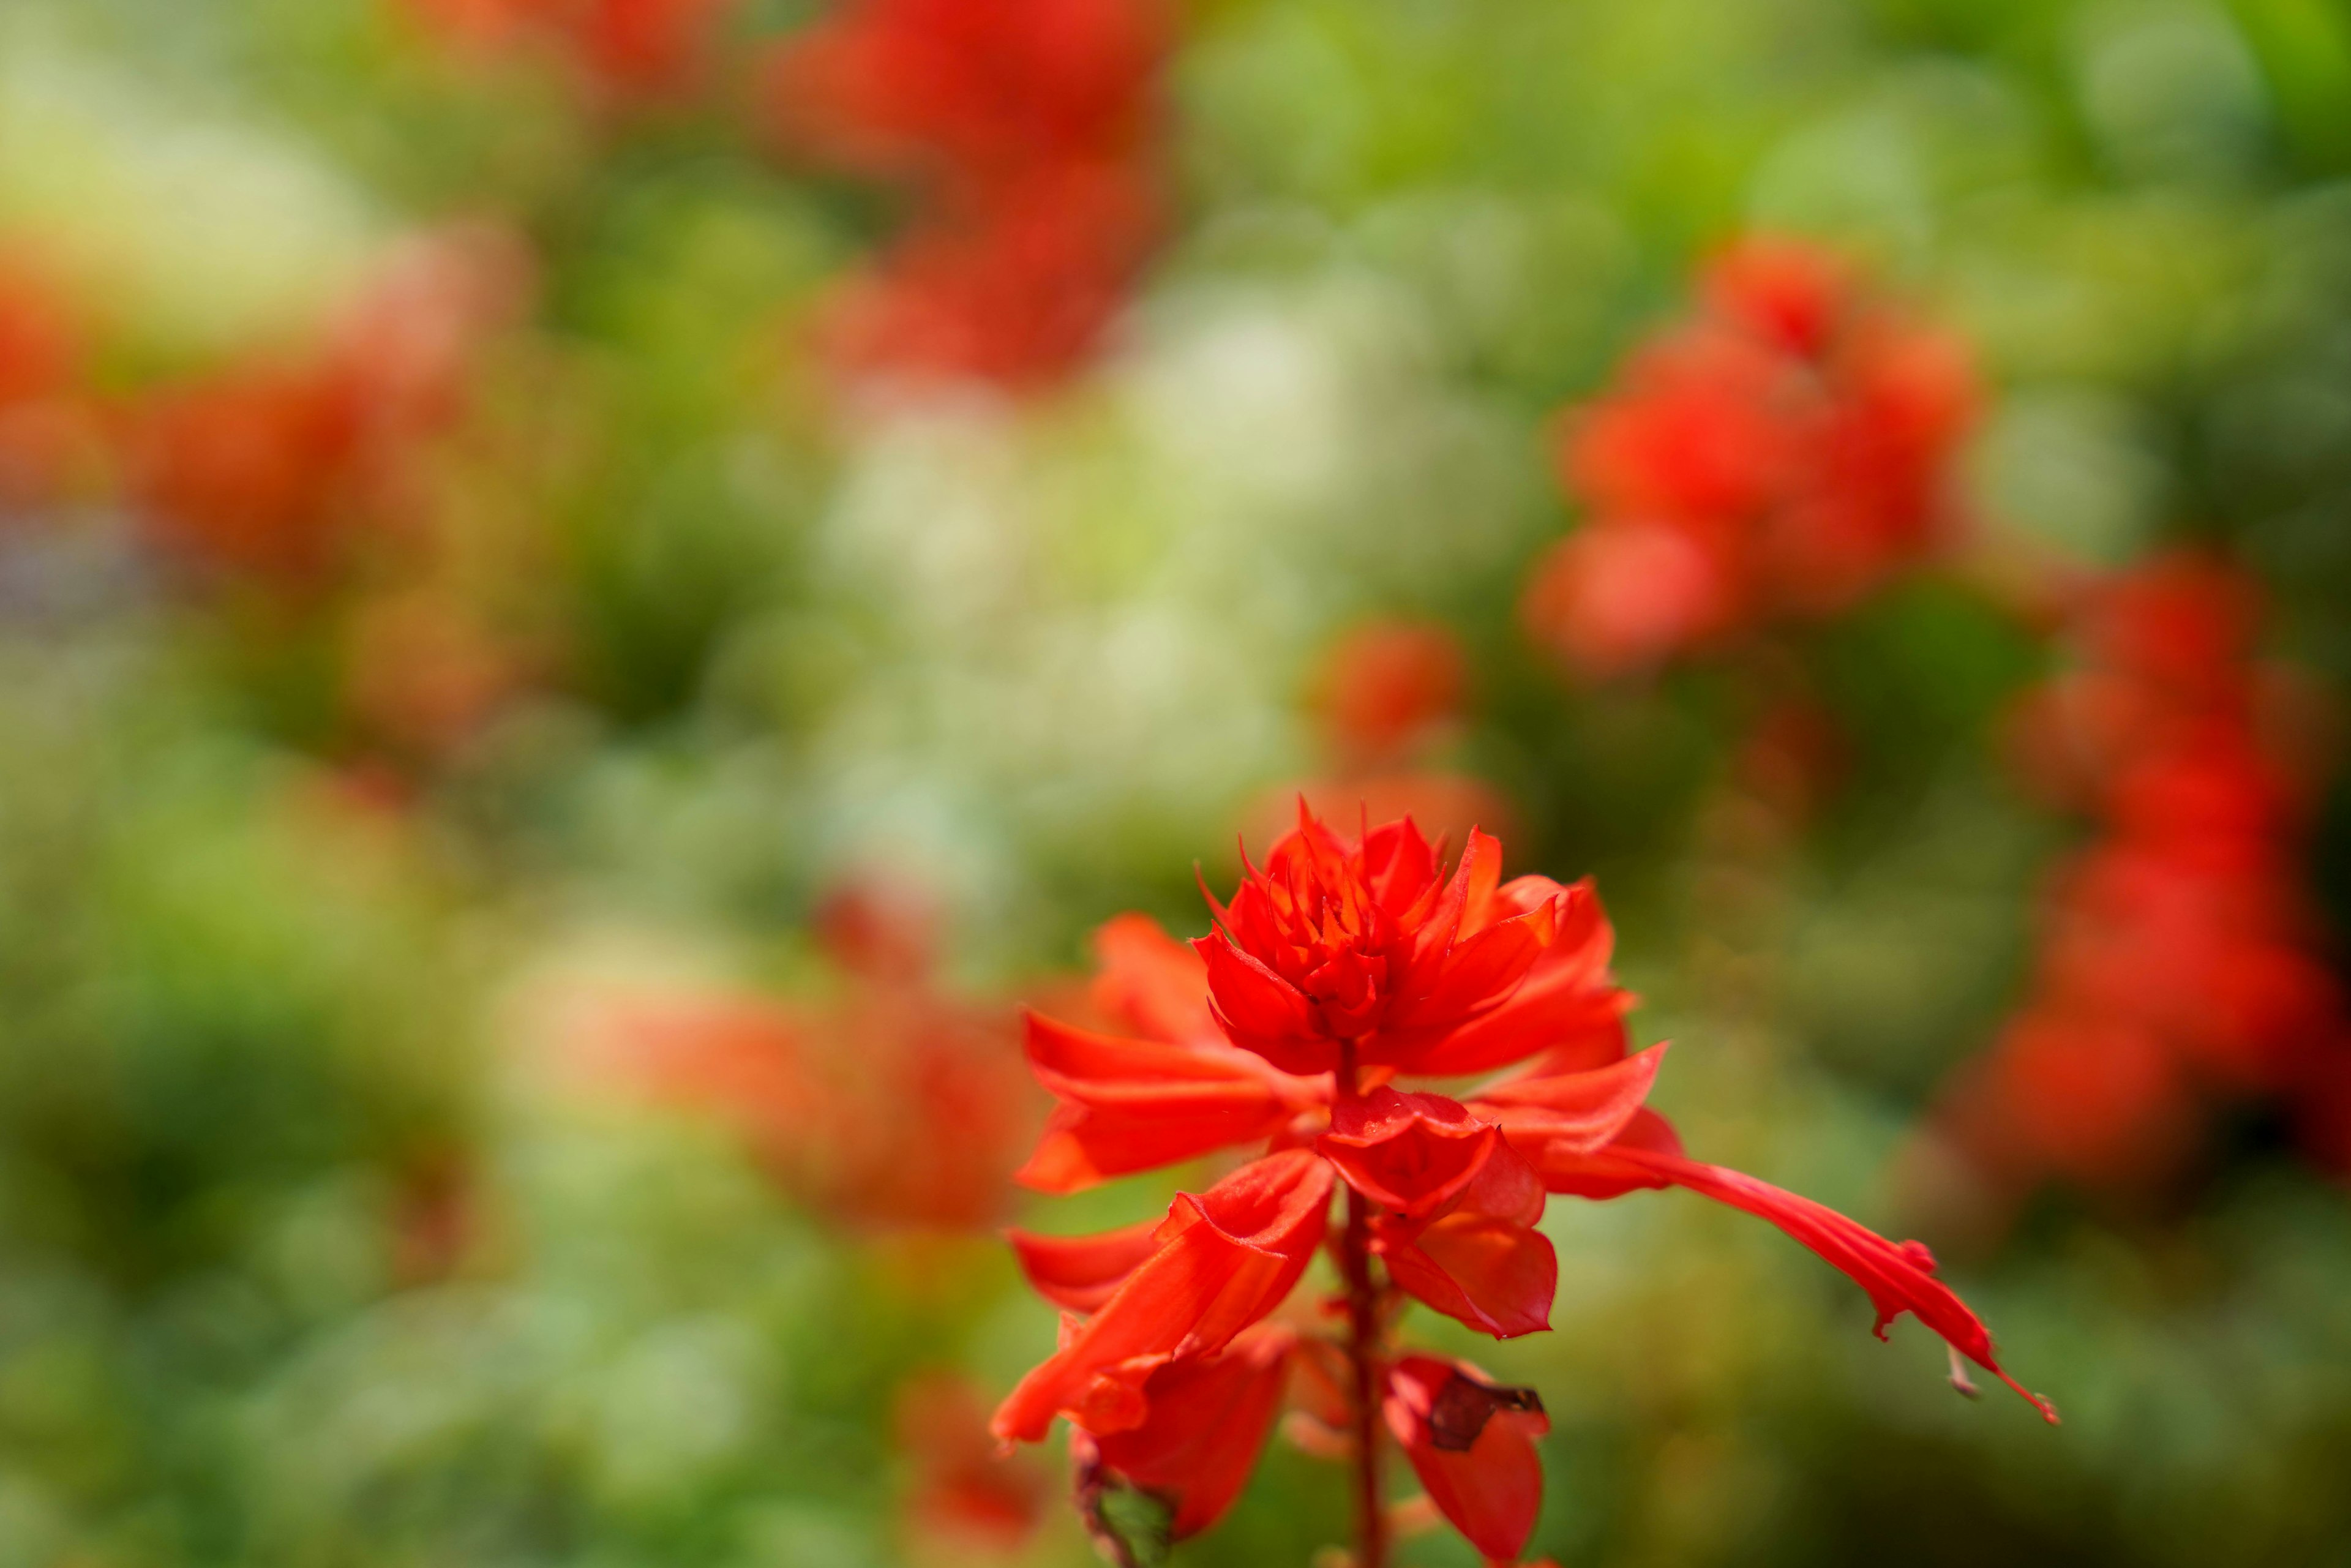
(271, 467)
(1387, 696)
(1779, 457)
(2178, 958)
(1026, 132)
(1341, 966)
(894, 1105)
(964, 1491)
(51, 436)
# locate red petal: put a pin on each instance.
(1567, 1003)
(1263, 1013)
(1477, 975)
(1414, 1152)
(1152, 982)
(1899, 1276)
(1209, 1418)
(1226, 1258)
(1482, 1261)
(1136, 1104)
(1082, 1273)
(1496, 1277)
(1582, 1111)
(1489, 1487)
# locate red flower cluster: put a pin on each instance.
(1339, 970)
(1027, 130)
(628, 50)
(270, 466)
(2176, 961)
(1781, 456)
(896, 1106)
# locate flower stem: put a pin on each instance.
(1365, 1356)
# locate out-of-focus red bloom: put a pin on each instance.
(1344, 965)
(269, 467)
(973, 91)
(1387, 696)
(895, 1106)
(1384, 687)
(629, 50)
(1015, 291)
(2178, 957)
(963, 1491)
(50, 430)
(1027, 133)
(1782, 455)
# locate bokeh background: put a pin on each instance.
(592, 592)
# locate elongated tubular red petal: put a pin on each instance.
(1900, 1277)
(1226, 1258)
(1210, 1418)
(1491, 1490)
(1580, 1111)
(1082, 1273)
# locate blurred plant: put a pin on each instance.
(2179, 963)
(1338, 968)
(1778, 457)
(1027, 134)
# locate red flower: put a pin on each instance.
(1385, 687)
(1368, 947)
(1025, 129)
(894, 1105)
(1781, 456)
(269, 467)
(964, 1491)
(1343, 964)
(2178, 961)
(50, 429)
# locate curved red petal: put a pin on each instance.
(1582, 1111)
(1262, 1012)
(1226, 1258)
(1082, 1273)
(1413, 1152)
(1496, 1277)
(1899, 1276)
(1210, 1418)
